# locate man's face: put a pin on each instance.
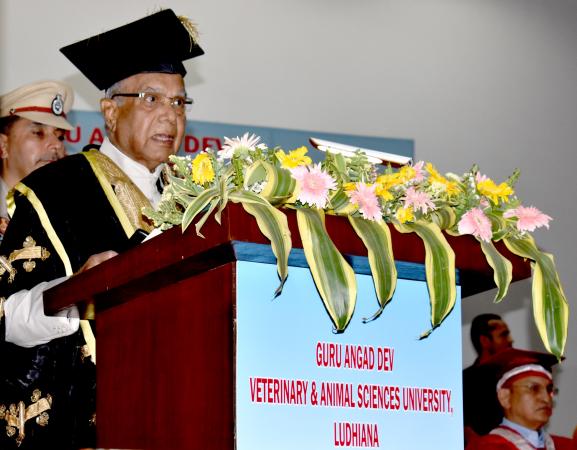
(28, 145)
(499, 338)
(147, 133)
(528, 401)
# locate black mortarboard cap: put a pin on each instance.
(156, 43)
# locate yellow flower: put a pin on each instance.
(388, 181)
(349, 187)
(405, 215)
(435, 175)
(385, 182)
(407, 173)
(202, 170)
(489, 189)
(452, 188)
(383, 193)
(295, 158)
(444, 185)
(439, 182)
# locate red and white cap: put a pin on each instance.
(513, 364)
(526, 370)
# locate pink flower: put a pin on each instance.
(419, 172)
(418, 200)
(475, 222)
(314, 185)
(364, 196)
(479, 178)
(528, 218)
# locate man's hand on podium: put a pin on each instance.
(96, 259)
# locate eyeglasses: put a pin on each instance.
(537, 389)
(152, 100)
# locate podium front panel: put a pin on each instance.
(165, 378)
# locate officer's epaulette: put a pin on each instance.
(89, 147)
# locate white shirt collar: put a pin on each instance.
(3, 201)
(139, 174)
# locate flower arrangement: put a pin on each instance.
(413, 199)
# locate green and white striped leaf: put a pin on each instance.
(224, 192)
(279, 183)
(439, 268)
(444, 217)
(550, 307)
(498, 226)
(183, 199)
(341, 204)
(273, 224)
(178, 184)
(333, 276)
(502, 268)
(183, 185)
(255, 173)
(199, 224)
(197, 205)
(377, 239)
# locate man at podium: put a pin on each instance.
(80, 211)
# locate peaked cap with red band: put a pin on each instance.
(45, 102)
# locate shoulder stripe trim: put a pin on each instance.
(92, 155)
(46, 224)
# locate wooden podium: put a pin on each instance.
(165, 321)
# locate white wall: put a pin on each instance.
(491, 82)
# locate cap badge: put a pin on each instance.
(57, 105)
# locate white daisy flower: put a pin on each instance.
(231, 146)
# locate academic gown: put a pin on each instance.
(68, 210)
(497, 442)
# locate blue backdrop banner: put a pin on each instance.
(89, 129)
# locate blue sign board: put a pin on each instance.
(299, 385)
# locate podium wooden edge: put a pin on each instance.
(173, 255)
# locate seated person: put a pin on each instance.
(525, 389)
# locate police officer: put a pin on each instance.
(32, 126)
